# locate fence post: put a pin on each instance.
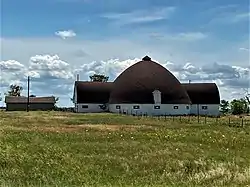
(205, 119)
(229, 120)
(242, 122)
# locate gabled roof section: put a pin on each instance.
(203, 93)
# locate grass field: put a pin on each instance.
(67, 149)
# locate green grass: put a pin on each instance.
(67, 149)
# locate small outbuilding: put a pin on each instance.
(35, 103)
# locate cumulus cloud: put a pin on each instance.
(65, 34)
(10, 70)
(112, 67)
(53, 66)
(225, 75)
(11, 65)
(51, 75)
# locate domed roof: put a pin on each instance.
(136, 84)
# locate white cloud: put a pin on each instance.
(49, 75)
(230, 17)
(225, 75)
(59, 61)
(11, 65)
(181, 37)
(47, 62)
(50, 67)
(65, 34)
(241, 17)
(191, 36)
(112, 67)
(244, 49)
(52, 76)
(141, 16)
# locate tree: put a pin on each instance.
(248, 100)
(99, 78)
(248, 104)
(56, 98)
(224, 106)
(14, 90)
(239, 106)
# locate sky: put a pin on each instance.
(54, 40)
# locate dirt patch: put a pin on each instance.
(75, 128)
(104, 127)
(57, 129)
(46, 117)
(17, 128)
(59, 117)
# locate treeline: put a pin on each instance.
(235, 107)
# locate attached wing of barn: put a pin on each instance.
(92, 92)
(203, 93)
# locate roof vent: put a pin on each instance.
(146, 58)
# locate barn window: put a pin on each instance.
(176, 107)
(85, 106)
(157, 107)
(136, 107)
(187, 107)
(204, 107)
(118, 107)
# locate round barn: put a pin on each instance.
(147, 88)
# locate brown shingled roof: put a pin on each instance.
(203, 93)
(22, 99)
(136, 84)
(93, 92)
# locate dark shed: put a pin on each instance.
(136, 84)
(35, 103)
(203, 93)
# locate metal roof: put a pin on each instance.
(22, 99)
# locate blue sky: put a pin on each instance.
(110, 34)
(41, 18)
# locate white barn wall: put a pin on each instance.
(212, 109)
(165, 109)
(92, 108)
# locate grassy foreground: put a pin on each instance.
(67, 149)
